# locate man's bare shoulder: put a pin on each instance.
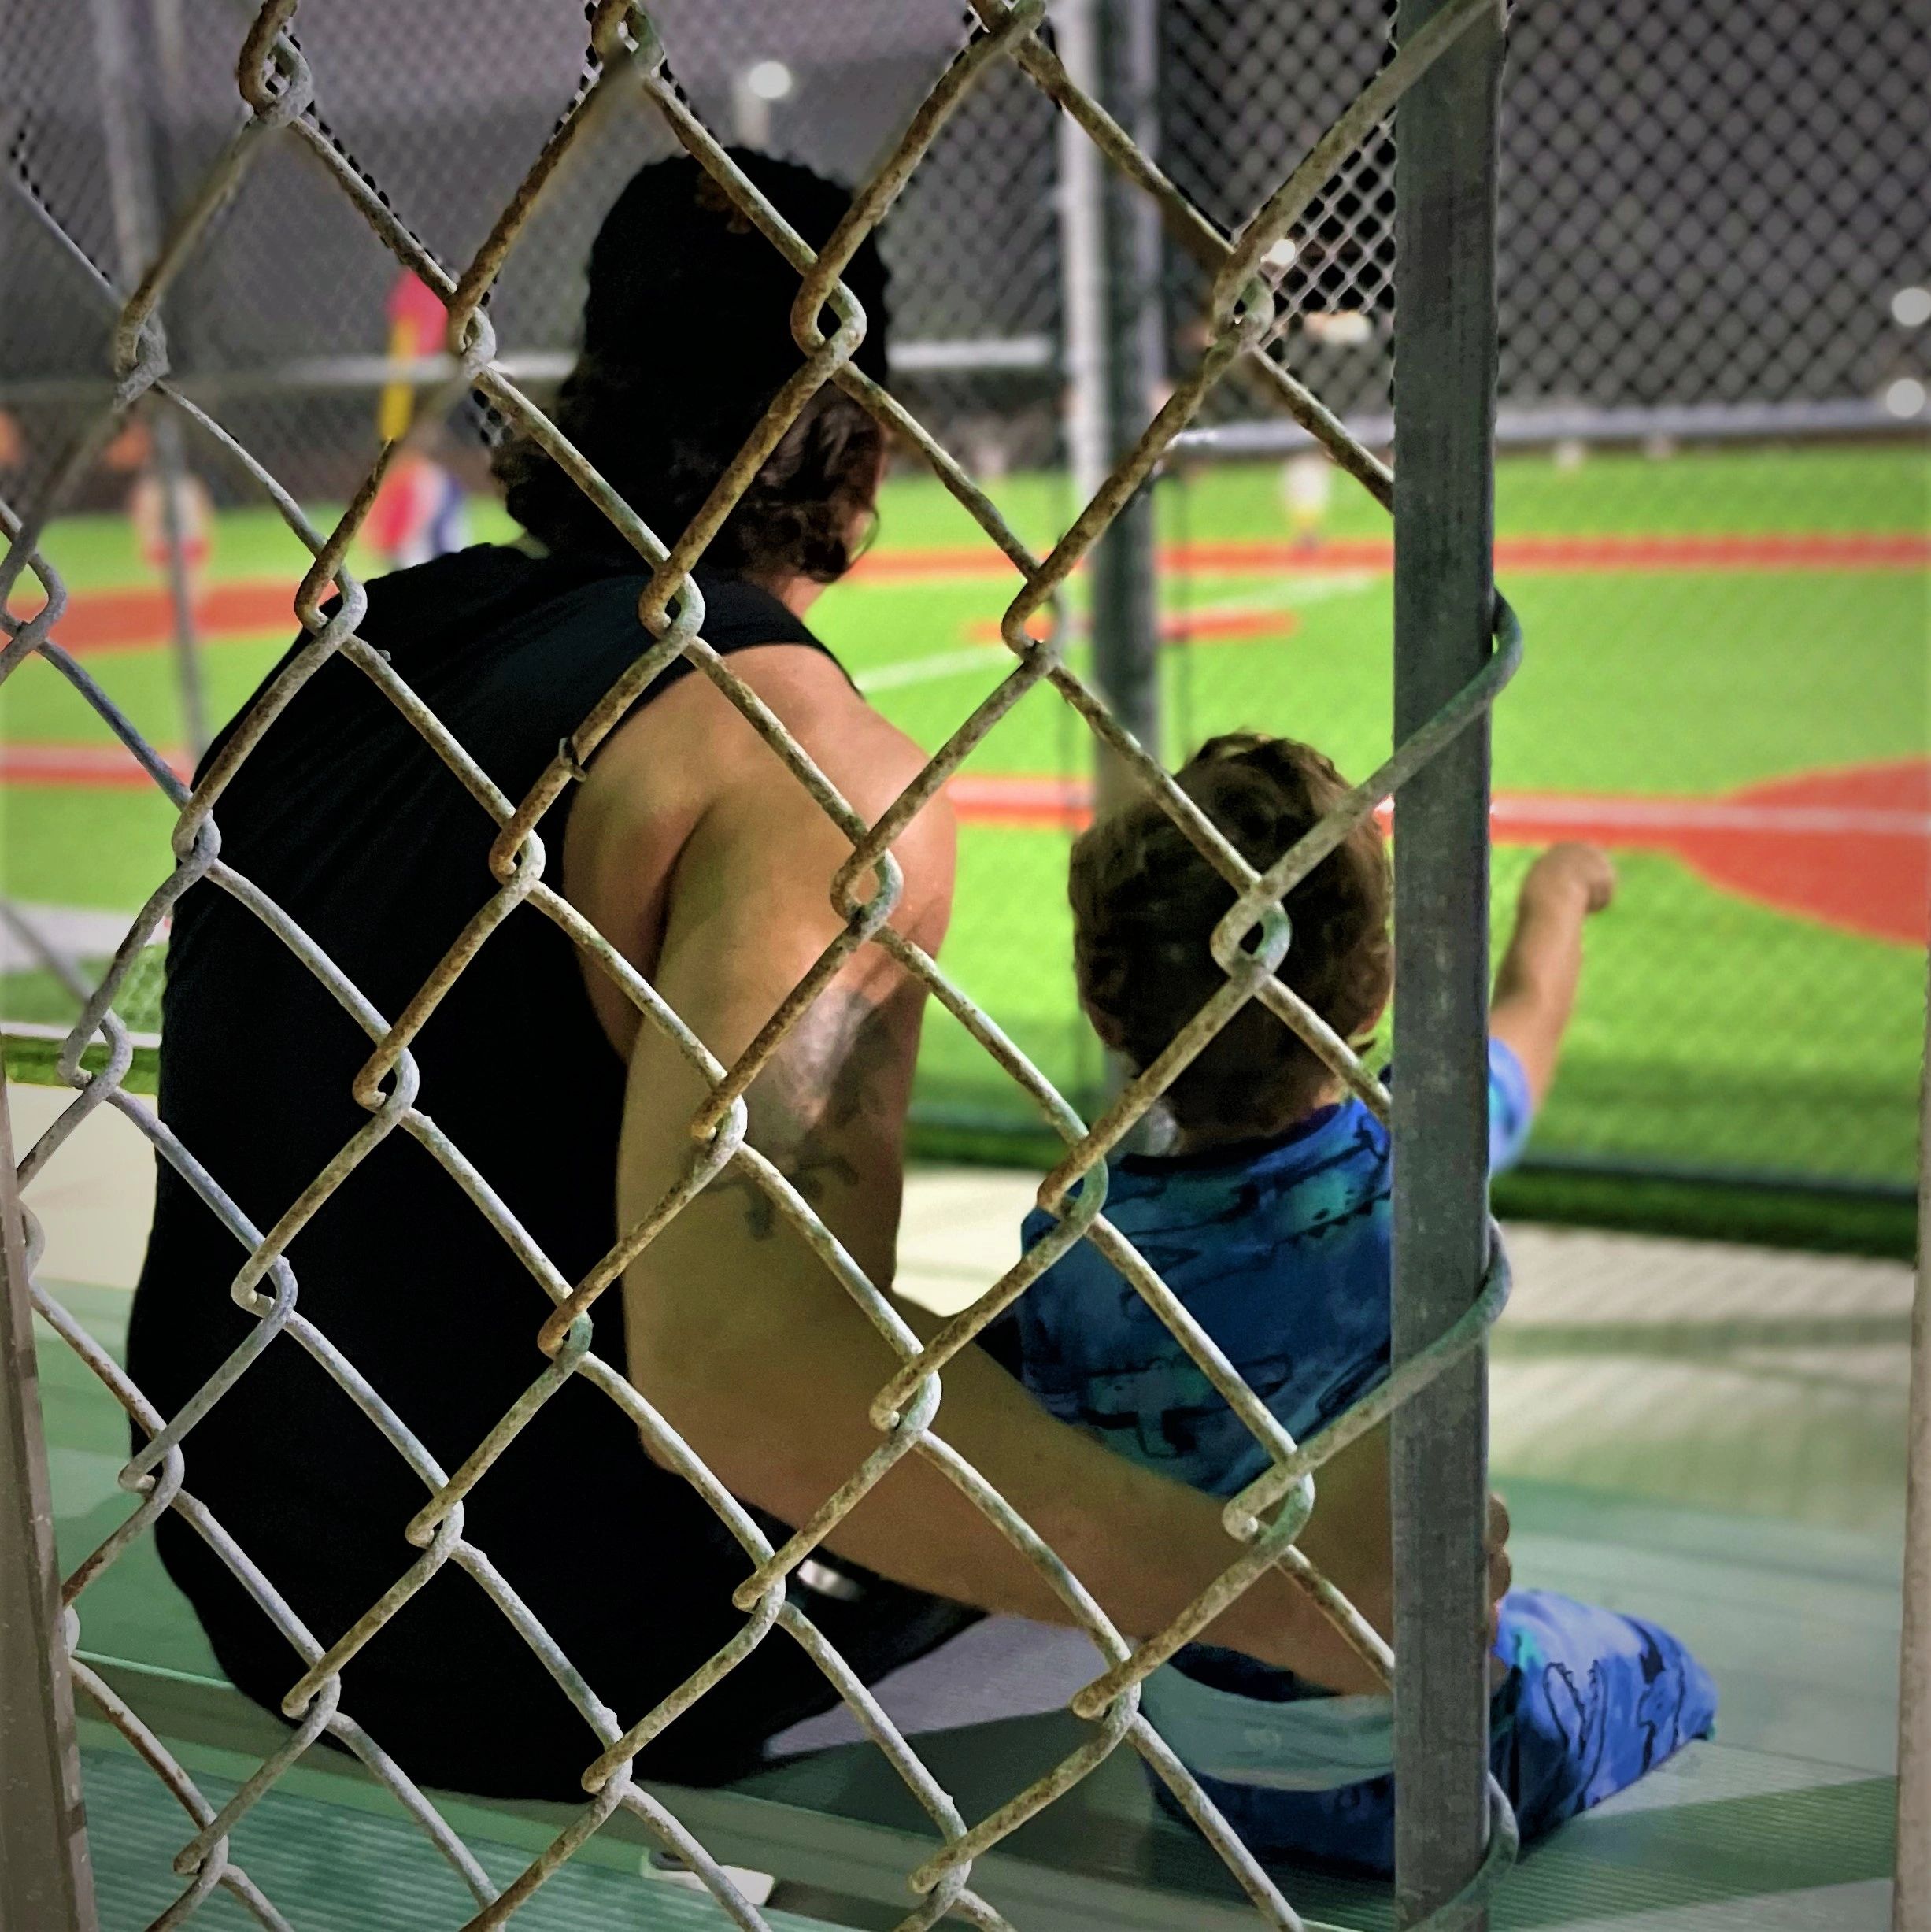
(687, 789)
(695, 744)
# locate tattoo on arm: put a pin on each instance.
(834, 1070)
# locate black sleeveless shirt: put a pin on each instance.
(348, 820)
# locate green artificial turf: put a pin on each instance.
(1714, 1035)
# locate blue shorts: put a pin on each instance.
(1593, 1700)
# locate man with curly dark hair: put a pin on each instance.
(701, 860)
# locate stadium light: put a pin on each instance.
(1910, 308)
(770, 80)
(1906, 397)
(755, 92)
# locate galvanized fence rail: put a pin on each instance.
(280, 91)
(1911, 1900)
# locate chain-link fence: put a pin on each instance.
(1716, 341)
(284, 320)
(1714, 357)
(1699, 211)
(1448, 1290)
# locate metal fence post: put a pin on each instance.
(1910, 1907)
(1082, 261)
(126, 134)
(1125, 625)
(1444, 377)
(45, 1882)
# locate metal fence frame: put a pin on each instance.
(1455, 1832)
(45, 1876)
(1912, 1901)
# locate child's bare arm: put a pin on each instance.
(1535, 988)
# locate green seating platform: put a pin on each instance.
(1784, 1824)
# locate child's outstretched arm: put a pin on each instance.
(1535, 988)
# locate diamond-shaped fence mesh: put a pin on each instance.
(1701, 208)
(1715, 309)
(1715, 376)
(281, 122)
(1236, 82)
(265, 316)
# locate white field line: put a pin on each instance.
(902, 671)
(79, 932)
(1604, 813)
(1311, 589)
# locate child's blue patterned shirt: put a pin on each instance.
(1280, 1251)
(1279, 1248)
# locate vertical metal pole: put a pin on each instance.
(1083, 258)
(170, 466)
(1911, 1907)
(1445, 384)
(131, 187)
(45, 1882)
(171, 74)
(1126, 631)
(750, 113)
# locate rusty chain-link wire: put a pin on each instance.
(278, 90)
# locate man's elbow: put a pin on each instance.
(701, 1393)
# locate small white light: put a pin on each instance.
(1906, 397)
(1281, 256)
(1343, 328)
(770, 81)
(1910, 308)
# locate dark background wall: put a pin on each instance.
(1712, 204)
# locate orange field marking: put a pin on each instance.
(1850, 849)
(140, 617)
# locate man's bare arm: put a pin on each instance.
(752, 1348)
